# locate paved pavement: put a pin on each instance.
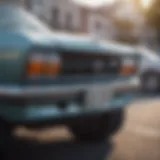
(139, 139)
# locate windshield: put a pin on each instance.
(15, 18)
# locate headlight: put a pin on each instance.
(43, 64)
(128, 66)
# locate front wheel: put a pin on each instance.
(99, 128)
(6, 137)
(150, 82)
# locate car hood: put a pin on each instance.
(149, 63)
(42, 39)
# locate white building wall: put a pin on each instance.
(44, 7)
(106, 31)
(64, 6)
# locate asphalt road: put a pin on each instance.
(139, 139)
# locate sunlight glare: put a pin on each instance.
(94, 3)
(145, 3)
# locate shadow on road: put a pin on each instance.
(66, 150)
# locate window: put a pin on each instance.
(98, 26)
(68, 21)
(55, 17)
(38, 2)
(42, 18)
(98, 29)
(28, 4)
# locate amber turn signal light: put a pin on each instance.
(127, 69)
(43, 66)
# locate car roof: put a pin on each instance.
(80, 42)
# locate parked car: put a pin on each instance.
(59, 78)
(149, 70)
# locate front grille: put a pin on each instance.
(85, 64)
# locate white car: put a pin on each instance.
(150, 70)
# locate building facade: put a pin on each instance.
(67, 15)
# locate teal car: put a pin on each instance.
(59, 78)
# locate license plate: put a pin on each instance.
(98, 96)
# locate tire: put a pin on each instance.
(99, 128)
(150, 83)
(6, 137)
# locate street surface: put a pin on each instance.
(139, 139)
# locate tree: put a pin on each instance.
(153, 17)
(125, 31)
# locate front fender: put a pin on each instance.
(13, 51)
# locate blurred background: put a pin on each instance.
(128, 21)
(135, 22)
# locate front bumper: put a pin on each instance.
(126, 84)
(50, 112)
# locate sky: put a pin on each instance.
(95, 3)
